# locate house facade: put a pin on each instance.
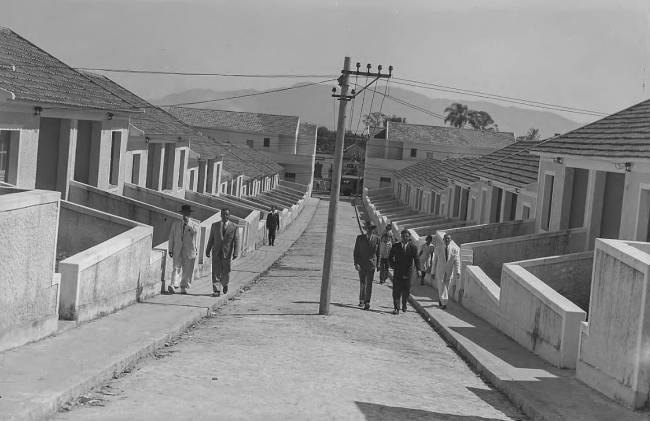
(399, 144)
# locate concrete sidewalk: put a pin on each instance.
(36, 379)
(542, 391)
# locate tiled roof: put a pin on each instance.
(623, 135)
(154, 121)
(237, 121)
(432, 173)
(447, 135)
(307, 131)
(237, 160)
(34, 76)
(513, 165)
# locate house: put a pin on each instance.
(399, 144)
(597, 178)
(284, 139)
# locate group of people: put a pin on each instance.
(223, 246)
(382, 253)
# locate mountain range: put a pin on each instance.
(314, 104)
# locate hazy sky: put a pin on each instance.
(590, 53)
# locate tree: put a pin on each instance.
(532, 134)
(479, 120)
(377, 119)
(457, 115)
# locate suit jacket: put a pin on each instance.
(426, 257)
(402, 260)
(446, 269)
(226, 245)
(273, 221)
(189, 235)
(366, 251)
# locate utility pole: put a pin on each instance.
(328, 260)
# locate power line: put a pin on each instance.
(486, 95)
(249, 95)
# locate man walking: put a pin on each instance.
(223, 244)
(446, 267)
(386, 243)
(403, 256)
(183, 249)
(272, 224)
(366, 259)
(426, 255)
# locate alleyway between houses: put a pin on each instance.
(269, 355)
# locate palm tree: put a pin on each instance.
(479, 120)
(457, 115)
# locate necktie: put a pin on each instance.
(447, 253)
(223, 230)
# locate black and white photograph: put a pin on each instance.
(363, 210)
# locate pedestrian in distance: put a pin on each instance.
(446, 268)
(403, 256)
(272, 224)
(366, 261)
(426, 256)
(183, 249)
(223, 244)
(386, 243)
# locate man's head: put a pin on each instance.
(389, 227)
(406, 236)
(429, 239)
(369, 227)
(446, 239)
(272, 209)
(225, 214)
(186, 211)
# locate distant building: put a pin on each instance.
(284, 139)
(399, 144)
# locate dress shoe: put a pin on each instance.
(360, 303)
(404, 309)
(225, 289)
(216, 294)
(367, 306)
(396, 311)
(170, 290)
(183, 292)
(444, 306)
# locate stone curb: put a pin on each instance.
(517, 398)
(45, 409)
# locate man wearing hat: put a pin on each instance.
(366, 261)
(272, 224)
(223, 245)
(183, 249)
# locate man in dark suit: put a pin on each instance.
(223, 244)
(366, 260)
(272, 224)
(403, 256)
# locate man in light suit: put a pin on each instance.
(183, 249)
(366, 261)
(223, 244)
(446, 267)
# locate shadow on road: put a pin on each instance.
(378, 412)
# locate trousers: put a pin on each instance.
(366, 277)
(271, 237)
(220, 272)
(401, 291)
(384, 270)
(443, 288)
(183, 269)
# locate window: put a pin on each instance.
(643, 223)
(250, 143)
(384, 182)
(525, 212)
(135, 170)
(471, 208)
(578, 197)
(414, 153)
(548, 201)
(418, 199)
(290, 176)
(116, 143)
(4, 154)
(429, 155)
(192, 187)
(267, 142)
(181, 169)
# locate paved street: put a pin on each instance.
(269, 355)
